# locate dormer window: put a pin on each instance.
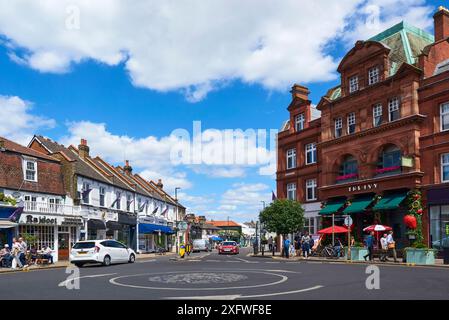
(30, 172)
(373, 75)
(353, 84)
(299, 122)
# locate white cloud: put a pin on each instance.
(17, 123)
(190, 46)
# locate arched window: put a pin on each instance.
(389, 160)
(348, 169)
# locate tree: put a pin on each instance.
(283, 216)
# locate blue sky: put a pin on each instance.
(125, 77)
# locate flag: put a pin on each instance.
(273, 196)
(85, 193)
(155, 210)
(164, 212)
(15, 216)
(119, 195)
(142, 207)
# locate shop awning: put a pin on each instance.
(6, 224)
(390, 201)
(96, 224)
(359, 204)
(148, 228)
(332, 206)
(114, 225)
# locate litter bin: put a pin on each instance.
(446, 255)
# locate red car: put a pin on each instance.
(228, 247)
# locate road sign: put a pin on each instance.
(348, 221)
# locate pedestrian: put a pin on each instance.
(292, 250)
(286, 247)
(15, 252)
(311, 245)
(369, 242)
(270, 243)
(392, 246)
(23, 252)
(384, 248)
(337, 248)
(305, 245)
(352, 241)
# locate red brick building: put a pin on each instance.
(381, 134)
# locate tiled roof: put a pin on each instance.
(15, 147)
(224, 223)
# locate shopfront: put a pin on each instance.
(127, 232)
(7, 227)
(154, 233)
(101, 224)
(438, 206)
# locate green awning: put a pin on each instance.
(390, 201)
(359, 204)
(332, 206)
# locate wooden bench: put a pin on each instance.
(42, 261)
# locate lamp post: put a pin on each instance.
(177, 217)
(262, 246)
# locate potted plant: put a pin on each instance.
(419, 253)
(358, 251)
(7, 200)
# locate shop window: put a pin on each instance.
(311, 186)
(394, 112)
(377, 115)
(311, 153)
(445, 167)
(373, 75)
(389, 161)
(353, 84)
(30, 172)
(299, 122)
(351, 123)
(291, 191)
(338, 127)
(444, 116)
(43, 236)
(291, 159)
(439, 226)
(348, 170)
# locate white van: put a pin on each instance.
(201, 245)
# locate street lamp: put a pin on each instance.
(177, 217)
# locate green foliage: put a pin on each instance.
(283, 216)
(30, 239)
(415, 208)
(7, 199)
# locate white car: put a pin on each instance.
(105, 252)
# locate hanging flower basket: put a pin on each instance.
(411, 222)
(387, 169)
(347, 177)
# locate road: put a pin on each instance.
(211, 276)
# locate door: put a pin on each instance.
(122, 251)
(63, 246)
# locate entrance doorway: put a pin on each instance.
(63, 246)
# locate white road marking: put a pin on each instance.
(238, 296)
(64, 283)
(145, 261)
(246, 261)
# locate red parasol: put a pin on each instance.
(335, 229)
(377, 228)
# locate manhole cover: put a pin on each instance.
(199, 278)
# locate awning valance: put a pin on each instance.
(390, 201)
(96, 224)
(148, 228)
(6, 224)
(359, 204)
(332, 206)
(113, 225)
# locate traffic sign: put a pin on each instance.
(348, 221)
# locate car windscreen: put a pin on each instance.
(84, 245)
(229, 243)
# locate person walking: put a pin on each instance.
(384, 248)
(287, 247)
(370, 246)
(392, 246)
(270, 243)
(15, 252)
(23, 252)
(305, 245)
(311, 245)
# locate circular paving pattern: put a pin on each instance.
(198, 278)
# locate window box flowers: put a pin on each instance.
(387, 169)
(347, 177)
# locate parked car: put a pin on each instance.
(201, 245)
(105, 252)
(228, 247)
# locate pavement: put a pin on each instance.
(209, 276)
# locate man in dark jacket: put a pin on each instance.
(370, 246)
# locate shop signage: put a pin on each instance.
(72, 221)
(363, 187)
(30, 219)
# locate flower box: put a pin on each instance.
(347, 177)
(387, 169)
(420, 256)
(357, 253)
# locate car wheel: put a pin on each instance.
(79, 265)
(132, 258)
(107, 261)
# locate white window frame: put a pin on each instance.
(300, 120)
(291, 188)
(291, 155)
(86, 186)
(338, 125)
(444, 114)
(311, 184)
(394, 105)
(26, 170)
(311, 148)
(444, 164)
(353, 84)
(102, 192)
(373, 75)
(351, 122)
(129, 199)
(377, 113)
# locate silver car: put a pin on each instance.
(201, 245)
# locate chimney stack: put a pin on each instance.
(83, 149)
(441, 23)
(127, 168)
(159, 184)
(300, 92)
